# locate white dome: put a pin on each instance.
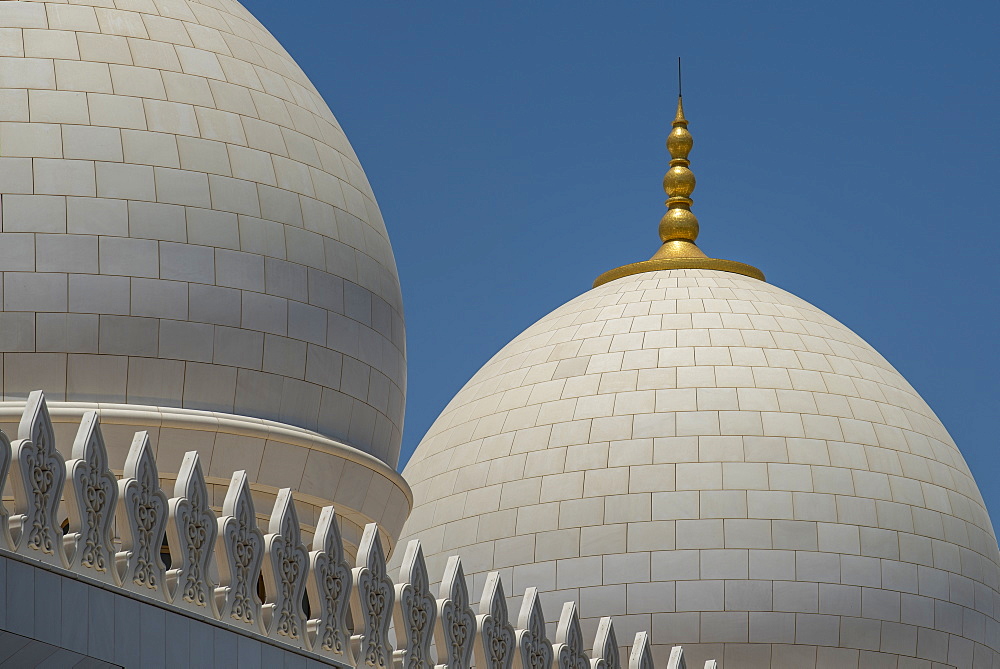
(186, 225)
(706, 456)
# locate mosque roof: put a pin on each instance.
(708, 456)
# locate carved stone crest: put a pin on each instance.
(534, 650)
(239, 552)
(92, 499)
(606, 655)
(142, 520)
(568, 649)
(494, 646)
(285, 571)
(415, 611)
(371, 603)
(38, 485)
(456, 631)
(641, 656)
(191, 534)
(329, 590)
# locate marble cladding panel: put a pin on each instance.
(168, 165)
(714, 459)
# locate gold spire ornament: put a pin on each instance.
(679, 227)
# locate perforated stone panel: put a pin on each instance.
(708, 456)
(185, 224)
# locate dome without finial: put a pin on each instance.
(709, 457)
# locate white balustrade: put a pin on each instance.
(415, 612)
(240, 552)
(454, 636)
(533, 647)
(38, 484)
(641, 656)
(142, 519)
(200, 542)
(568, 649)
(329, 589)
(286, 567)
(92, 498)
(494, 645)
(606, 647)
(191, 535)
(371, 603)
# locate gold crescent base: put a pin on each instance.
(679, 263)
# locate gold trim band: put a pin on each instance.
(679, 263)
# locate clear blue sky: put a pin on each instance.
(850, 150)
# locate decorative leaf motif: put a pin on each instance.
(191, 534)
(92, 501)
(329, 589)
(606, 655)
(5, 457)
(568, 649)
(142, 520)
(415, 611)
(285, 573)
(494, 646)
(38, 486)
(455, 634)
(641, 656)
(239, 552)
(534, 650)
(371, 603)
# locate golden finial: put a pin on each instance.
(679, 226)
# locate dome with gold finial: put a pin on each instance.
(707, 456)
(679, 226)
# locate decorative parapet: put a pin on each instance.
(240, 550)
(415, 612)
(455, 632)
(329, 589)
(200, 542)
(606, 647)
(191, 532)
(494, 642)
(142, 522)
(92, 499)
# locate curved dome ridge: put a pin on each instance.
(710, 457)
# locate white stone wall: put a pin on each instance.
(184, 224)
(123, 630)
(710, 457)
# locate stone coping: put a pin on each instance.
(193, 419)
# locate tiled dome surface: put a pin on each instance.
(709, 457)
(185, 224)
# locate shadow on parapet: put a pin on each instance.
(312, 602)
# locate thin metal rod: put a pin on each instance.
(680, 89)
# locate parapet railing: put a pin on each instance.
(241, 554)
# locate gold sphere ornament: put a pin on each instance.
(679, 182)
(679, 142)
(679, 224)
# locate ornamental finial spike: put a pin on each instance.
(679, 226)
(679, 120)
